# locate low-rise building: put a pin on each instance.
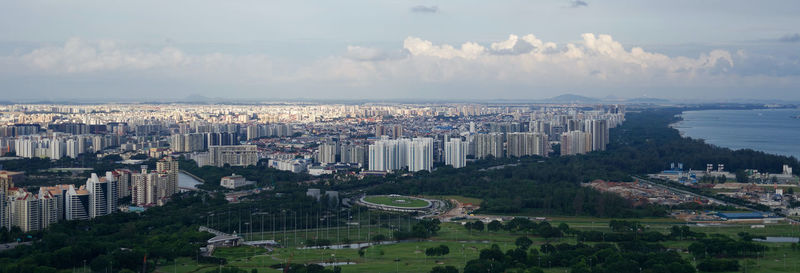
(319, 170)
(234, 181)
(292, 165)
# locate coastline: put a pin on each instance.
(739, 136)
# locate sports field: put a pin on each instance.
(397, 201)
(465, 245)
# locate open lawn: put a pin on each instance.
(464, 245)
(397, 201)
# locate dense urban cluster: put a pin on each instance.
(288, 171)
(319, 139)
(32, 211)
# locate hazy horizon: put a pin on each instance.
(398, 50)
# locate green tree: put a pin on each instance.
(478, 225)
(523, 242)
(494, 226)
(718, 265)
(444, 269)
(580, 267)
(362, 251)
(741, 176)
(379, 237)
(440, 250)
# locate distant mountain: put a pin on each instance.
(572, 98)
(647, 100)
(196, 98)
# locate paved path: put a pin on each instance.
(10, 246)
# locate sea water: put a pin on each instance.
(775, 131)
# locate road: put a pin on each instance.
(642, 180)
(456, 211)
(792, 221)
(10, 246)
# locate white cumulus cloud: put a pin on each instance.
(593, 61)
(81, 56)
(417, 46)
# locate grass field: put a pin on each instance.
(340, 235)
(397, 201)
(464, 245)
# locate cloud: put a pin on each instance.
(790, 38)
(519, 62)
(364, 53)
(84, 56)
(77, 56)
(518, 58)
(419, 47)
(424, 9)
(516, 45)
(529, 60)
(578, 4)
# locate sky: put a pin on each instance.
(398, 49)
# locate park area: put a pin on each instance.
(465, 245)
(397, 201)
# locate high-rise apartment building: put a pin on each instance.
(455, 152)
(489, 144)
(254, 131)
(234, 155)
(102, 195)
(575, 142)
(397, 131)
(98, 143)
(8, 178)
(524, 144)
(326, 154)
(155, 188)
(123, 178)
(353, 153)
(59, 192)
(598, 128)
(4, 221)
(182, 143)
(420, 154)
(25, 211)
(77, 204)
(388, 154)
(49, 209)
(58, 148)
(139, 187)
(380, 130)
(169, 167)
(394, 154)
(71, 148)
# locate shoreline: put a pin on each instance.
(680, 126)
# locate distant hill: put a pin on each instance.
(647, 100)
(196, 98)
(572, 98)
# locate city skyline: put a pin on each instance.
(437, 136)
(360, 50)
